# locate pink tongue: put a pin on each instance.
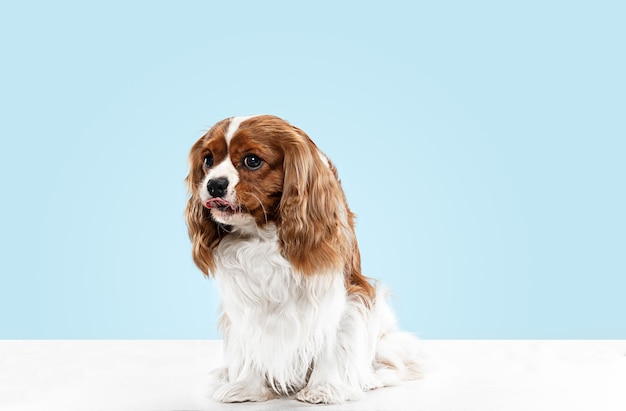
(217, 202)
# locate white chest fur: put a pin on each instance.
(276, 321)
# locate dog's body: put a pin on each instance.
(268, 218)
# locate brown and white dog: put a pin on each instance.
(268, 218)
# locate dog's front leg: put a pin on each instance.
(325, 385)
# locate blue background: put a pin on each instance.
(482, 145)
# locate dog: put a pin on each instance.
(267, 218)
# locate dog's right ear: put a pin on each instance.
(204, 233)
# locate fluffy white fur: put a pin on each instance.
(290, 334)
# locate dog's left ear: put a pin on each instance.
(314, 227)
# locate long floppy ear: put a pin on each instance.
(314, 229)
(204, 233)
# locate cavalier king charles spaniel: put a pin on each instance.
(267, 217)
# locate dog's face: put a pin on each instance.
(243, 177)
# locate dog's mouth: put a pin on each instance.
(222, 205)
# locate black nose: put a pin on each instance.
(217, 186)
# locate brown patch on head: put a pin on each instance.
(258, 140)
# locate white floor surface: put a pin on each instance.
(173, 375)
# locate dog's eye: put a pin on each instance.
(208, 160)
(252, 162)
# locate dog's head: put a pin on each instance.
(250, 172)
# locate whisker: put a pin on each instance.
(263, 207)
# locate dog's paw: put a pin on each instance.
(242, 391)
(328, 394)
(373, 383)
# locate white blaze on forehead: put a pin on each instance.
(235, 122)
